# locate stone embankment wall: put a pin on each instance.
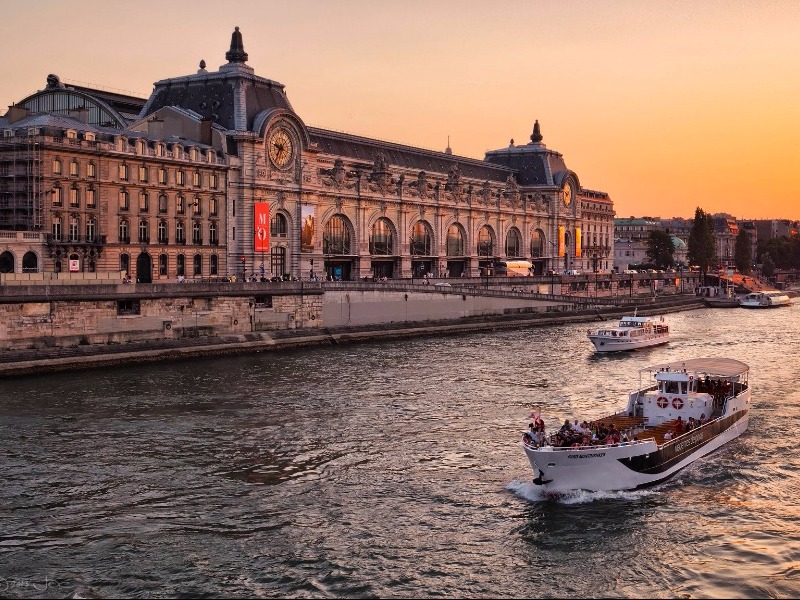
(33, 317)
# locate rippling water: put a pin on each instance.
(391, 470)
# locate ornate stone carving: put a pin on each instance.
(453, 187)
(380, 179)
(512, 191)
(337, 177)
(486, 193)
(420, 188)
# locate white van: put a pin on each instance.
(573, 272)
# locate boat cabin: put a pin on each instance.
(674, 394)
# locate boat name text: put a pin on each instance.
(593, 455)
(694, 439)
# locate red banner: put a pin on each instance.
(261, 227)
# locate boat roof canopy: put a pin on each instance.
(723, 367)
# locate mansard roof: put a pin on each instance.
(366, 149)
(231, 97)
(533, 162)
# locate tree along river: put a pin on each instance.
(393, 470)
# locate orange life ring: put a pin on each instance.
(662, 402)
(677, 403)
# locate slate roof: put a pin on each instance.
(430, 161)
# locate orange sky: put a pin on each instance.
(665, 105)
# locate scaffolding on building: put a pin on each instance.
(21, 182)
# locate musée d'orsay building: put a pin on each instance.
(215, 175)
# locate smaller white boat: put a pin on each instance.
(630, 333)
(766, 299)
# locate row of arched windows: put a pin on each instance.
(30, 262)
(383, 240)
(195, 266)
(71, 230)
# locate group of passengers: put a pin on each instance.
(682, 426)
(575, 435)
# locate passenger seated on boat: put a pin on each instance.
(679, 426)
(667, 436)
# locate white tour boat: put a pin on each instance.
(710, 393)
(629, 334)
(766, 299)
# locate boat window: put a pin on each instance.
(683, 387)
(672, 387)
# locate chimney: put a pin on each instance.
(155, 128)
(205, 131)
(16, 113)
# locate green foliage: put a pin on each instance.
(742, 256)
(767, 266)
(784, 251)
(701, 251)
(660, 249)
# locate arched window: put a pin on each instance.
(213, 265)
(91, 170)
(144, 232)
(180, 265)
(537, 243)
(6, 262)
(180, 233)
(91, 229)
(56, 166)
(162, 203)
(213, 206)
(197, 206)
(125, 263)
(124, 200)
(421, 242)
(455, 241)
(91, 201)
(336, 238)
(180, 204)
(277, 225)
(123, 172)
(485, 241)
(74, 197)
(58, 195)
(381, 239)
(124, 231)
(162, 232)
(513, 243)
(73, 168)
(162, 264)
(30, 263)
(144, 202)
(198, 264)
(212, 234)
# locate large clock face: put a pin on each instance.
(281, 150)
(567, 194)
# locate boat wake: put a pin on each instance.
(534, 493)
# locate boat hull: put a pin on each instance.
(629, 466)
(617, 344)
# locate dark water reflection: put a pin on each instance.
(392, 470)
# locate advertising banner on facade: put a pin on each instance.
(261, 226)
(561, 240)
(577, 242)
(307, 231)
(74, 265)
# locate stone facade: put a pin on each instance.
(216, 175)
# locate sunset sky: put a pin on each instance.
(665, 105)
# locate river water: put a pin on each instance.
(391, 470)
